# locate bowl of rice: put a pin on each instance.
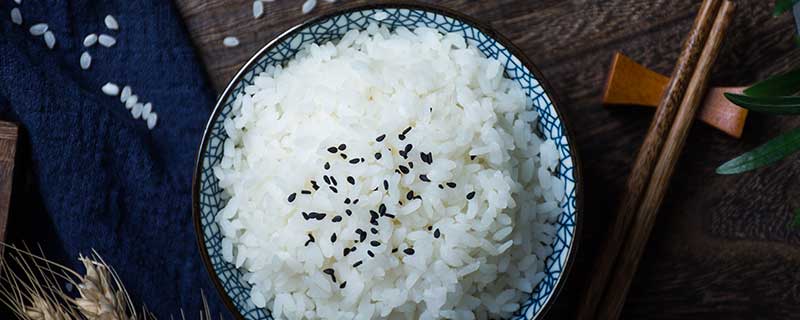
(388, 161)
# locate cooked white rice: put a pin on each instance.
(480, 229)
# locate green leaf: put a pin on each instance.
(781, 85)
(775, 105)
(796, 220)
(768, 153)
(782, 6)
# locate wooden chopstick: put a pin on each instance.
(645, 218)
(647, 156)
(8, 147)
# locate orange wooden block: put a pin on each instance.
(630, 83)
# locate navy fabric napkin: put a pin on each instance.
(89, 175)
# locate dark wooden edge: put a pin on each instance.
(516, 51)
(8, 142)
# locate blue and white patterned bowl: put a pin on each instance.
(207, 201)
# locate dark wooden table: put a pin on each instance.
(723, 247)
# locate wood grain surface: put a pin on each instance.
(722, 246)
(8, 147)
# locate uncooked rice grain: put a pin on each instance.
(230, 41)
(152, 120)
(258, 9)
(106, 40)
(308, 6)
(49, 39)
(16, 16)
(110, 89)
(438, 255)
(86, 60)
(111, 22)
(90, 40)
(38, 29)
(125, 94)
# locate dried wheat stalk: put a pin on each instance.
(29, 286)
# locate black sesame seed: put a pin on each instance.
(375, 243)
(437, 233)
(351, 180)
(305, 192)
(378, 156)
(400, 202)
(389, 215)
(332, 150)
(441, 186)
(306, 216)
(348, 212)
(397, 171)
(380, 138)
(404, 169)
(411, 165)
(374, 222)
(334, 189)
(373, 214)
(326, 179)
(406, 130)
(358, 263)
(410, 195)
(346, 251)
(344, 284)
(321, 216)
(452, 185)
(470, 195)
(370, 254)
(362, 235)
(329, 272)
(310, 239)
(333, 237)
(346, 200)
(409, 251)
(354, 161)
(337, 219)
(386, 185)
(403, 154)
(353, 249)
(314, 185)
(292, 196)
(472, 157)
(342, 147)
(355, 201)
(424, 177)
(344, 156)
(408, 148)
(376, 189)
(401, 137)
(333, 180)
(430, 228)
(382, 208)
(394, 250)
(373, 230)
(362, 159)
(327, 166)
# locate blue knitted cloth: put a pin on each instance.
(92, 176)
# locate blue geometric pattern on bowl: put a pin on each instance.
(332, 28)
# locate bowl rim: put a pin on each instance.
(451, 13)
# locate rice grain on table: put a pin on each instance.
(85, 60)
(125, 94)
(467, 241)
(106, 40)
(16, 16)
(111, 22)
(308, 6)
(90, 40)
(110, 89)
(258, 9)
(136, 111)
(132, 100)
(230, 41)
(152, 120)
(38, 29)
(49, 39)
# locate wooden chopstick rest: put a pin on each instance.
(630, 83)
(8, 146)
